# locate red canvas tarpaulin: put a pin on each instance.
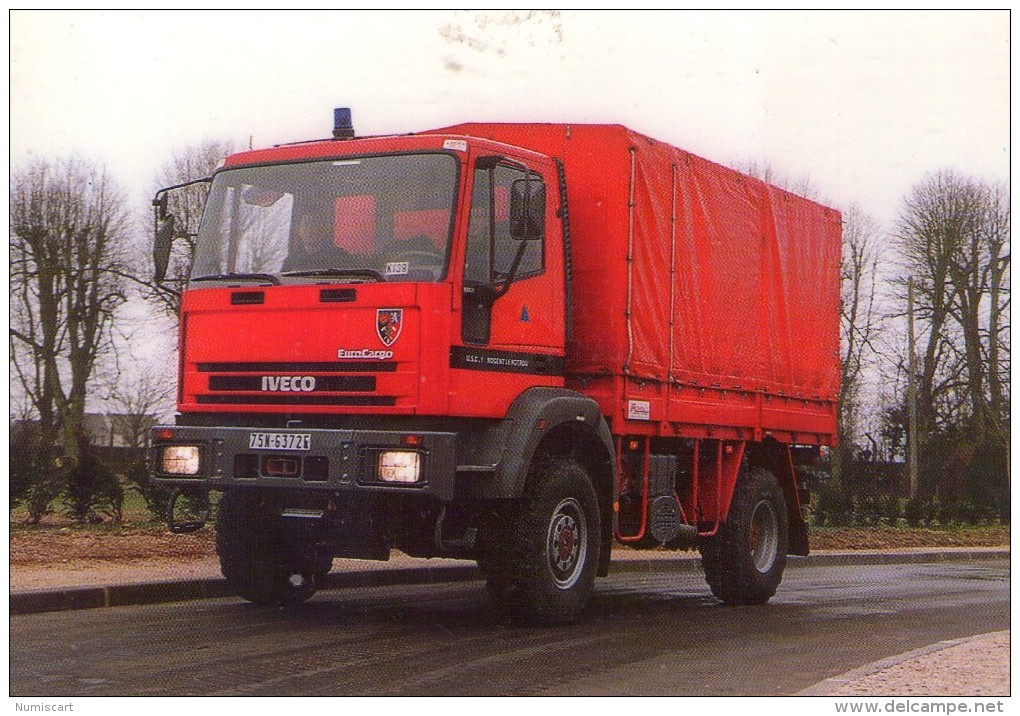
(687, 273)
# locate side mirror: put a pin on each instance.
(161, 249)
(166, 226)
(527, 209)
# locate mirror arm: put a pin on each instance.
(160, 198)
(501, 290)
(159, 201)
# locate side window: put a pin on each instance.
(492, 249)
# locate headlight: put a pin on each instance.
(181, 460)
(397, 466)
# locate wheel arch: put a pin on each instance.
(545, 423)
(541, 422)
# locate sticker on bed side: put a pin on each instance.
(397, 268)
(639, 410)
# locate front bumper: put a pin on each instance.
(306, 459)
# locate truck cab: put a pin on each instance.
(376, 277)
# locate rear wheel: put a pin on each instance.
(544, 558)
(744, 561)
(258, 559)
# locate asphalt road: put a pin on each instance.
(646, 633)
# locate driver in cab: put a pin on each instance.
(312, 246)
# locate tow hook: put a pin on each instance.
(194, 511)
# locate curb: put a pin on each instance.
(70, 599)
(828, 686)
(892, 557)
(75, 598)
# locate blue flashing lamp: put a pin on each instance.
(343, 127)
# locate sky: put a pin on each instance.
(860, 103)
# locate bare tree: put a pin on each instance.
(860, 321)
(954, 239)
(934, 220)
(140, 401)
(187, 164)
(67, 261)
(985, 277)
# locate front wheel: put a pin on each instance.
(744, 561)
(547, 553)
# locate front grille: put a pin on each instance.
(346, 383)
(327, 384)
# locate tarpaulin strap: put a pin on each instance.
(672, 280)
(630, 264)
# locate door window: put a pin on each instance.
(491, 249)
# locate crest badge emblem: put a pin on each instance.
(388, 322)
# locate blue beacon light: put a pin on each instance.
(343, 127)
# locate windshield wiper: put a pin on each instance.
(354, 273)
(268, 277)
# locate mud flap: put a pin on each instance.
(780, 462)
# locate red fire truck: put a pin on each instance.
(510, 343)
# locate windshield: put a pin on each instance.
(384, 218)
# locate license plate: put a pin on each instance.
(279, 441)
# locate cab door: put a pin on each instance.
(513, 300)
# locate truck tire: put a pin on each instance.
(744, 561)
(255, 557)
(545, 571)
